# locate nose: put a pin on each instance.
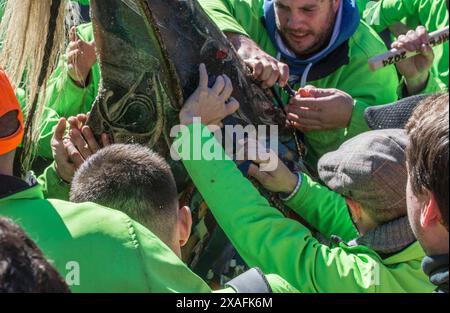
(295, 20)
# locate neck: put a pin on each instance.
(7, 164)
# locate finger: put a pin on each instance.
(427, 52)
(397, 45)
(256, 67)
(74, 155)
(309, 114)
(80, 143)
(422, 33)
(90, 139)
(312, 92)
(218, 85)
(203, 80)
(302, 122)
(232, 106)
(60, 129)
(413, 40)
(261, 177)
(74, 45)
(274, 77)
(73, 33)
(106, 141)
(310, 103)
(73, 123)
(284, 74)
(228, 89)
(268, 71)
(82, 119)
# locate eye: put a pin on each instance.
(138, 115)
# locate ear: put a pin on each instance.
(336, 4)
(430, 215)
(184, 225)
(355, 210)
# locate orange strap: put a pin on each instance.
(9, 103)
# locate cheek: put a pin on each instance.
(281, 17)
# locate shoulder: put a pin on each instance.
(96, 222)
(366, 43)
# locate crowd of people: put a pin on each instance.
(106, 217)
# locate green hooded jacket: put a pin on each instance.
(97, 249)
(265, 238)
(432, 14)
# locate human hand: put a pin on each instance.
(265, 68)
(416, 70)
(80, 58)
(315, 109)
(212, 105)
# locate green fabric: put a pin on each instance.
(115, 254)
(432, 14)
(265, 238)
(244, 17)
(324, 209)
(53, 187)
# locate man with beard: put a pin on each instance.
(311, 42)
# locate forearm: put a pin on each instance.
(385, 13)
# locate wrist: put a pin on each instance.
(293, 191)
(416, 84)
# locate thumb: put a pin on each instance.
(60, 129)
(318, 92)
(427, 52)
(254, 172)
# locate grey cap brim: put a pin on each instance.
(392, 116)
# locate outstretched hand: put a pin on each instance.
(211, 105)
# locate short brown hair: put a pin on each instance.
(132, 179)
(427, 153)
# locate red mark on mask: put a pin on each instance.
(222, 54)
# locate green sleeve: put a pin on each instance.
(434, 85)
(384, 13)
(265, 238)
(367, 88)
(62, 94)
(223, 14)
(53, 186)
(324, 209)
(242, 17)
(279, 285)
